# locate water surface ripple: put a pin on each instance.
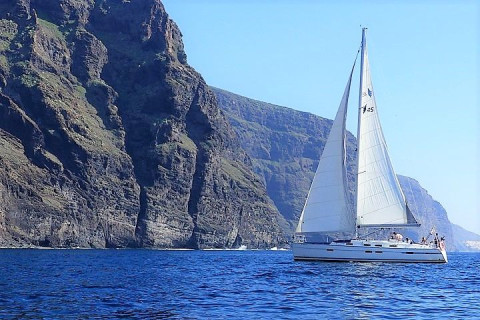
(151, 284)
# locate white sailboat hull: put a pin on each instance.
(369, 251)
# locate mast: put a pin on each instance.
(380, 201)
(362, 54)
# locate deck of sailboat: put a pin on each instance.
(369, 251)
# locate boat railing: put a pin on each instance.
(431, 244)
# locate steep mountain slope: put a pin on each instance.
(285, 146)
(465, 240)
(428, 212)
(110, 139)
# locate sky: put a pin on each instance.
(424, 60)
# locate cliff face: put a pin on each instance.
(110, 139)
(428, 211)
(465, 240)
(285, 146)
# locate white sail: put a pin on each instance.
(326, 208)
(380, 200)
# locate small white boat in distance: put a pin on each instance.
(380, 202)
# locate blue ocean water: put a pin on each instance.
(151, 284)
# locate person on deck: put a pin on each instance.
(398, 237)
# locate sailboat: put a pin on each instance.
(380, 202)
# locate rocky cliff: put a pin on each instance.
(110, 139)
(465, 240)
(429, 213)
(285, 146)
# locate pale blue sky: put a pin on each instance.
(424, 60)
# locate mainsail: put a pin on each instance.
(326, 208)
(380, 200)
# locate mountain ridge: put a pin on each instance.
(110, 138)
(303, 135)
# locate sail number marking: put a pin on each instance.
(365, 109)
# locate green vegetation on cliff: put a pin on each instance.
(110, 139)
